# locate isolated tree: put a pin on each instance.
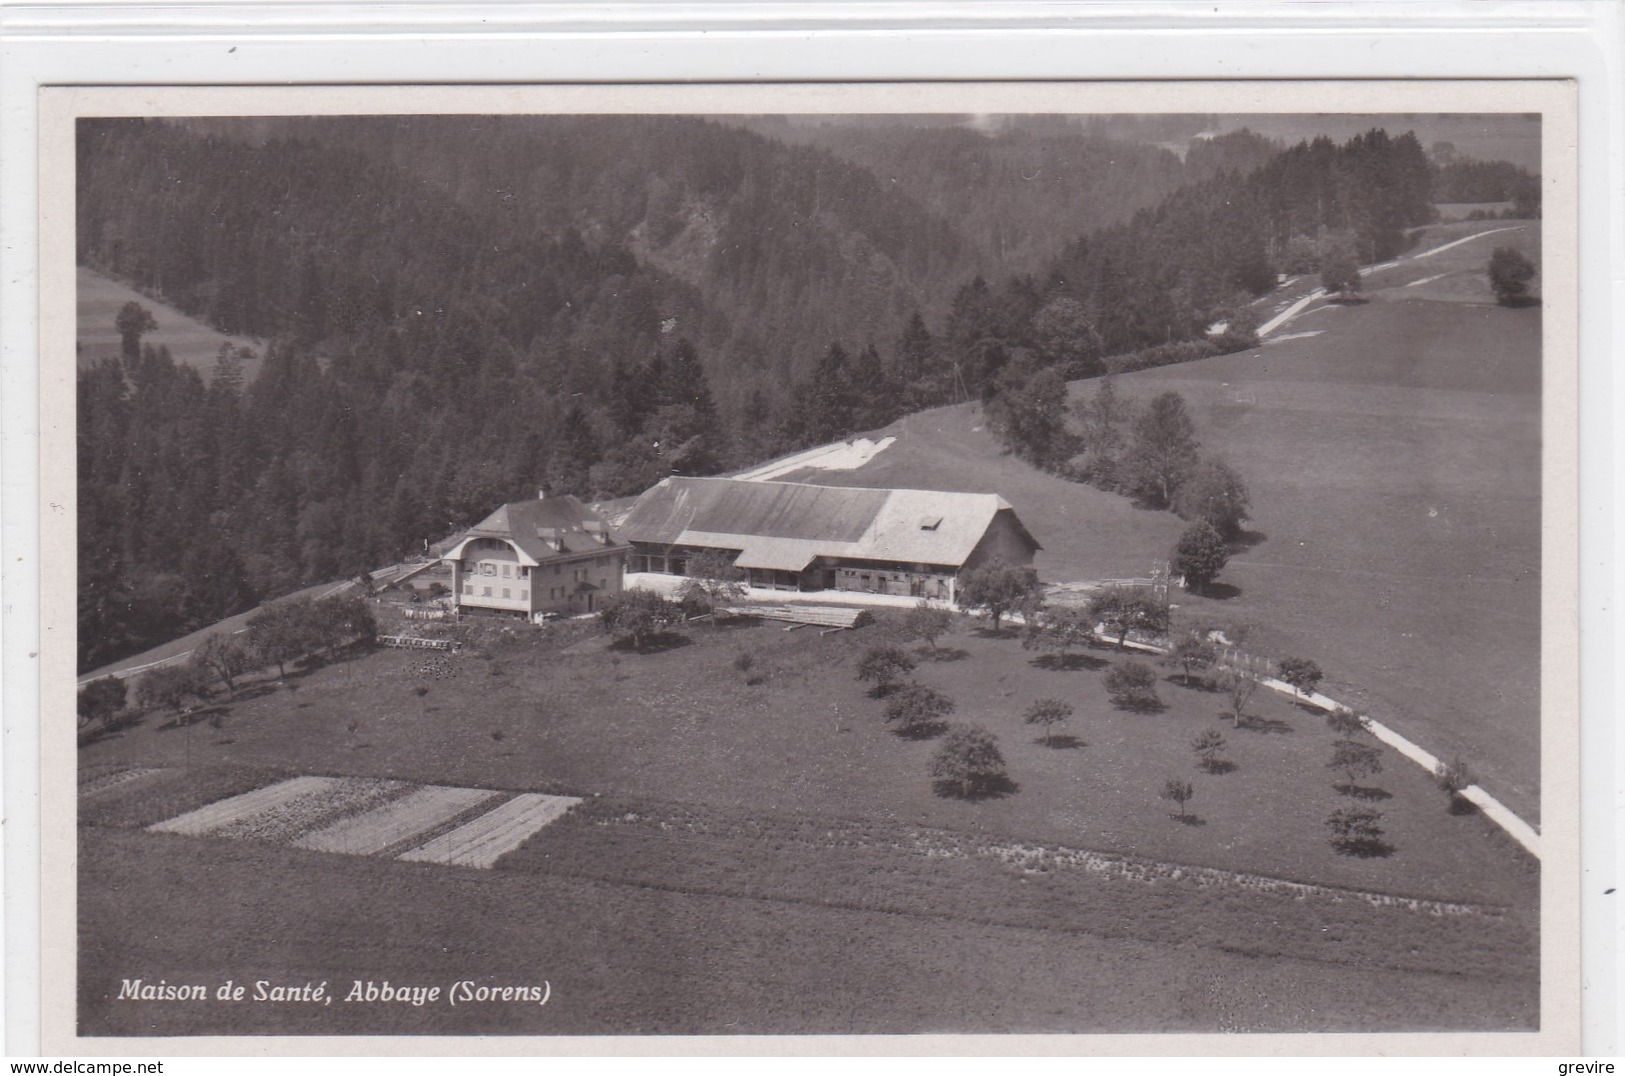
(917, 709)
(1355, 830)
(1200, 556)
(968, 761)
(1510, 273)
(224, 656)
(1214, 494)
(1355, 761)
(1028, 414)
(1209, 746)
(1102, 420)
(342, 618)
(884, 666)
(1178, 793)
(999, 588)
(637, 614)
(1065, 629)
(1301, 673)
(101, 699)
(1121, 610)
(1340, 275)
(1132, 684)
(1239, 680)
(713, 580)
(1162, 450)
(133, 322)
(1047, 713)
(1193, 650)
(1345, 722)
(169, 686)
(928, 622)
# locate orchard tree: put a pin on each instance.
(1133, 685)
(1178, 793)
(1510, 273)
(1355, 761)
(1124, 609)
(1214, 494)
(1193, 650)
(224, 656)
(1209, 746)
(1301, 673)
(638, 614)
(1346, 723)
(1200, 556)
(1162, 450)
(968, 763)
(918, 710)
(1065, 629)
(1047, 713)
(284, 631)
(999, 588)
(169, 686)
(928, 622)
(884, 665)
(1239, 680)
(101, 699)
(713, 580)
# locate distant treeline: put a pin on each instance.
(457, 312)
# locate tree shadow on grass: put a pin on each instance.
(992, 788)
(658, 643)
(1363, 848)
(1461, 806)
(1519, 302)
(1062, 741)
(1308, 707)
(921, 730)
(881, 691)
(1219, 592)
(1246, 539)
(1363, 792)
(1264, 724)
(1068, 662)
(945, 653)
(1189, 819)
(1196, 683)
(1218, 766)
(1152, 705)
(988, 632)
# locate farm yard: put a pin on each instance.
(768, 790)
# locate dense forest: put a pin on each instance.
(456, 311)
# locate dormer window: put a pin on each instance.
(930, 523)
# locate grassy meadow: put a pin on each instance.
(1394, 464)
(739, 817)
(190, 342)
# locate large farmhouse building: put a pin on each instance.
(791, 536)
(550, 555)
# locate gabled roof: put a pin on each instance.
(541, 530)
(784, 525)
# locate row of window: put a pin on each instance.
(507, 570)
(553, 593)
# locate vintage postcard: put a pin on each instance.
(545, 565)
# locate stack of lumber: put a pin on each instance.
(823, 616)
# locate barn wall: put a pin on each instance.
(1005, 540)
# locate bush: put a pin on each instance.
(927, 622)
(918, 710)
(1209, 746)
(1355, 760)
(100, 700)
(1510, 273)
(969, 763)
(1356, 830)
(638, 614)
(1200, 556)
(1132, 685)
(1346, 723)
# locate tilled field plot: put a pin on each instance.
(468, 827)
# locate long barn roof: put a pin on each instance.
(786, 524)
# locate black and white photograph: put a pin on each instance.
(797, 569)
